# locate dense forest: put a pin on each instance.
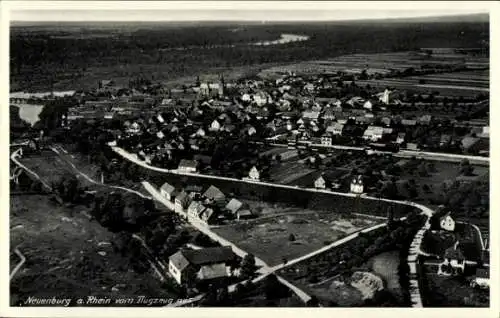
(48, 53)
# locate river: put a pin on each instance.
(30, 112)
(284, 38)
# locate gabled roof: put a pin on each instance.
(482, 273)
(179, 260)
(166, 187)
(214, 193)
(182, 197)
(196, 205)
(207, 213)
(454, 253)
(210, 255)
(234, 205)
(188, 163)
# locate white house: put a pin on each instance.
(481, 279)
(194, 210)
(187, 165)
(134, 128)
(251, 131)
(335, 129)
(182, 201)
(200, 132)
(368, 105)
(453, 263)
(160, 118)
(261, 98)
(254, 174)
(326, 140)
(385, 98)
(167, 191)
(246, 97)
(447, 223)
(357, 185)
(320, 183)
(401, 138)
(214, 126)
(311, 114)
(373, 133)
(207, 263)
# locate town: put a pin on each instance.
(299, 185)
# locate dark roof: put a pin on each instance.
(209, 255)
(168, 188)
(453, 253)
(214, 193)
(193, 188)
(331, 176)
(486, 257)
(483, 273)
(182, 197)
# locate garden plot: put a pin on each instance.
(283, 233)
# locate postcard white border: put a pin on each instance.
(444, 6)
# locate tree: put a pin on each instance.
(291, 237)
(273, 289)
(248, 266)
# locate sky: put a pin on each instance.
(224, 11)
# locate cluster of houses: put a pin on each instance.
(289, 109)
(209, 207)
(206, 264)
(463, 255)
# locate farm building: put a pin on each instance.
(208, 263)
(167, 191)
(214, 194)
(188, 165)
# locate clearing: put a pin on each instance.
(268, 237)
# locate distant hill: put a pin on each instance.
(75, 55)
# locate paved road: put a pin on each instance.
(20, 264)
(14, 157)
(137, 161)
(424, 210)
(264, 269)
(438, 156)
(68, 161)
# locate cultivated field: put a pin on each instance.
(51, 167)
(268, 237)
(462, 83)
(69, 256)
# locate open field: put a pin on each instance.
(47, 53)
(337, 292)
(462, 83)
(50, 167)
(69, 256)
(378, 63)
(268, 236)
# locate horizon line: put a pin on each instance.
(240, 19)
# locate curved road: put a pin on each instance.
(265, 270)
(54, 149)
(14, 157)
(20, 264)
